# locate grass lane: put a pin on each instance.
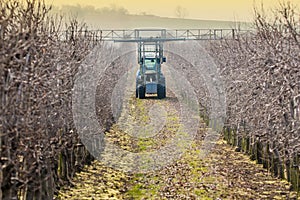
(224, 174)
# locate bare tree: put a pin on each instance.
(261, 72)
(181, 12)
(39, 146)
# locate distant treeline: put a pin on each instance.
(82, 11)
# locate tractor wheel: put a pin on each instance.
(136, 93)
(142, 92)
(161, 91)
(164, 92)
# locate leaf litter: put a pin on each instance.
(223, 174)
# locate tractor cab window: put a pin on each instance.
(150, 64)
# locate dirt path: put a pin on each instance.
(223, 174)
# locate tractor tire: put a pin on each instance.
(161, 91)
(142, 91)
(136, 93)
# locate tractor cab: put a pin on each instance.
(150, 64)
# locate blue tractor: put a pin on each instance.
(149, 78)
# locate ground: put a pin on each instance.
(222, 174)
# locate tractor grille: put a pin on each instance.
(151, 88)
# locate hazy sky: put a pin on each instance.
(239, 10)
